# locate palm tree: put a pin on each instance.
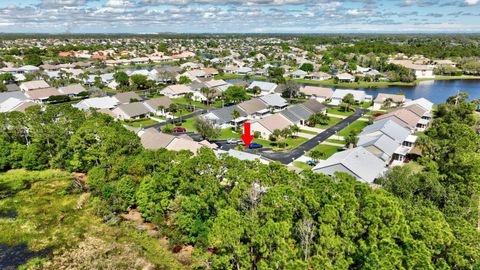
(387, 102)
(316, 155)
(189, 98)
(351, 140)
(256, 91)
(286, 132)
(207, 92)
(295, 129)
(235, 114)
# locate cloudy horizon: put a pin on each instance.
(236, 16)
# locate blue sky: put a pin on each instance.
(240, 16)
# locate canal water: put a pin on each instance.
(435, 91)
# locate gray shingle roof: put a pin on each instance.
(291, 116)
(389, 128)
(125, 97)
(300, 111)
(314, 106)
(360, 162)
(225, 113)
(134, 109)
(384, 143)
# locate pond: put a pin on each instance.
(11, 257)
(436, 91)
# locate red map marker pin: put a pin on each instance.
(246, 136)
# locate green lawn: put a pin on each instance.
(443, 78)
(357, 125)
(331, 122)
(375, 112)
(197, 104)
(335, 141)
(228, 133)
(140, 122)
(308, 132)
(302, 165)
(329, 150)
(188, 124)
(182, 112)
(366, 105)
(339, 111)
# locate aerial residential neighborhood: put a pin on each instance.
(266, 134)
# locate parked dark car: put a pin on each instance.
(311, 162)
(255, 146)
(179, 129)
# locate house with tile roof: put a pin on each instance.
(269, 124)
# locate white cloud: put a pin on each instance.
(210, 16)
(119, 4)
(61, 3)
(357, 12)
(472, 2)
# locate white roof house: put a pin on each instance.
(9, 104)
(29, 68)
(266, 87)
(214, 83)
(244, 70)
(319, 93)
(107, 77)
(275, 101)
(422, 102)
(96, 103)
(358, 162)
(339, 94)
(175, 91)
(346, 77)
(32, 85)
(299, 74)
(387, 127)
(246, 156)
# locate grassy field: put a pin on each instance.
(302, 165)
(308, 132)
(335, 141)
(357, 125)
(329, 150)
(444, 78)
(331, 122)
(339, 111)
(55, 217)
(182, 112)
(140, 122)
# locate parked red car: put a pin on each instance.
(179, 129)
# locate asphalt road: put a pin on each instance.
(286, 157)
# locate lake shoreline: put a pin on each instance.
(355, 85)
